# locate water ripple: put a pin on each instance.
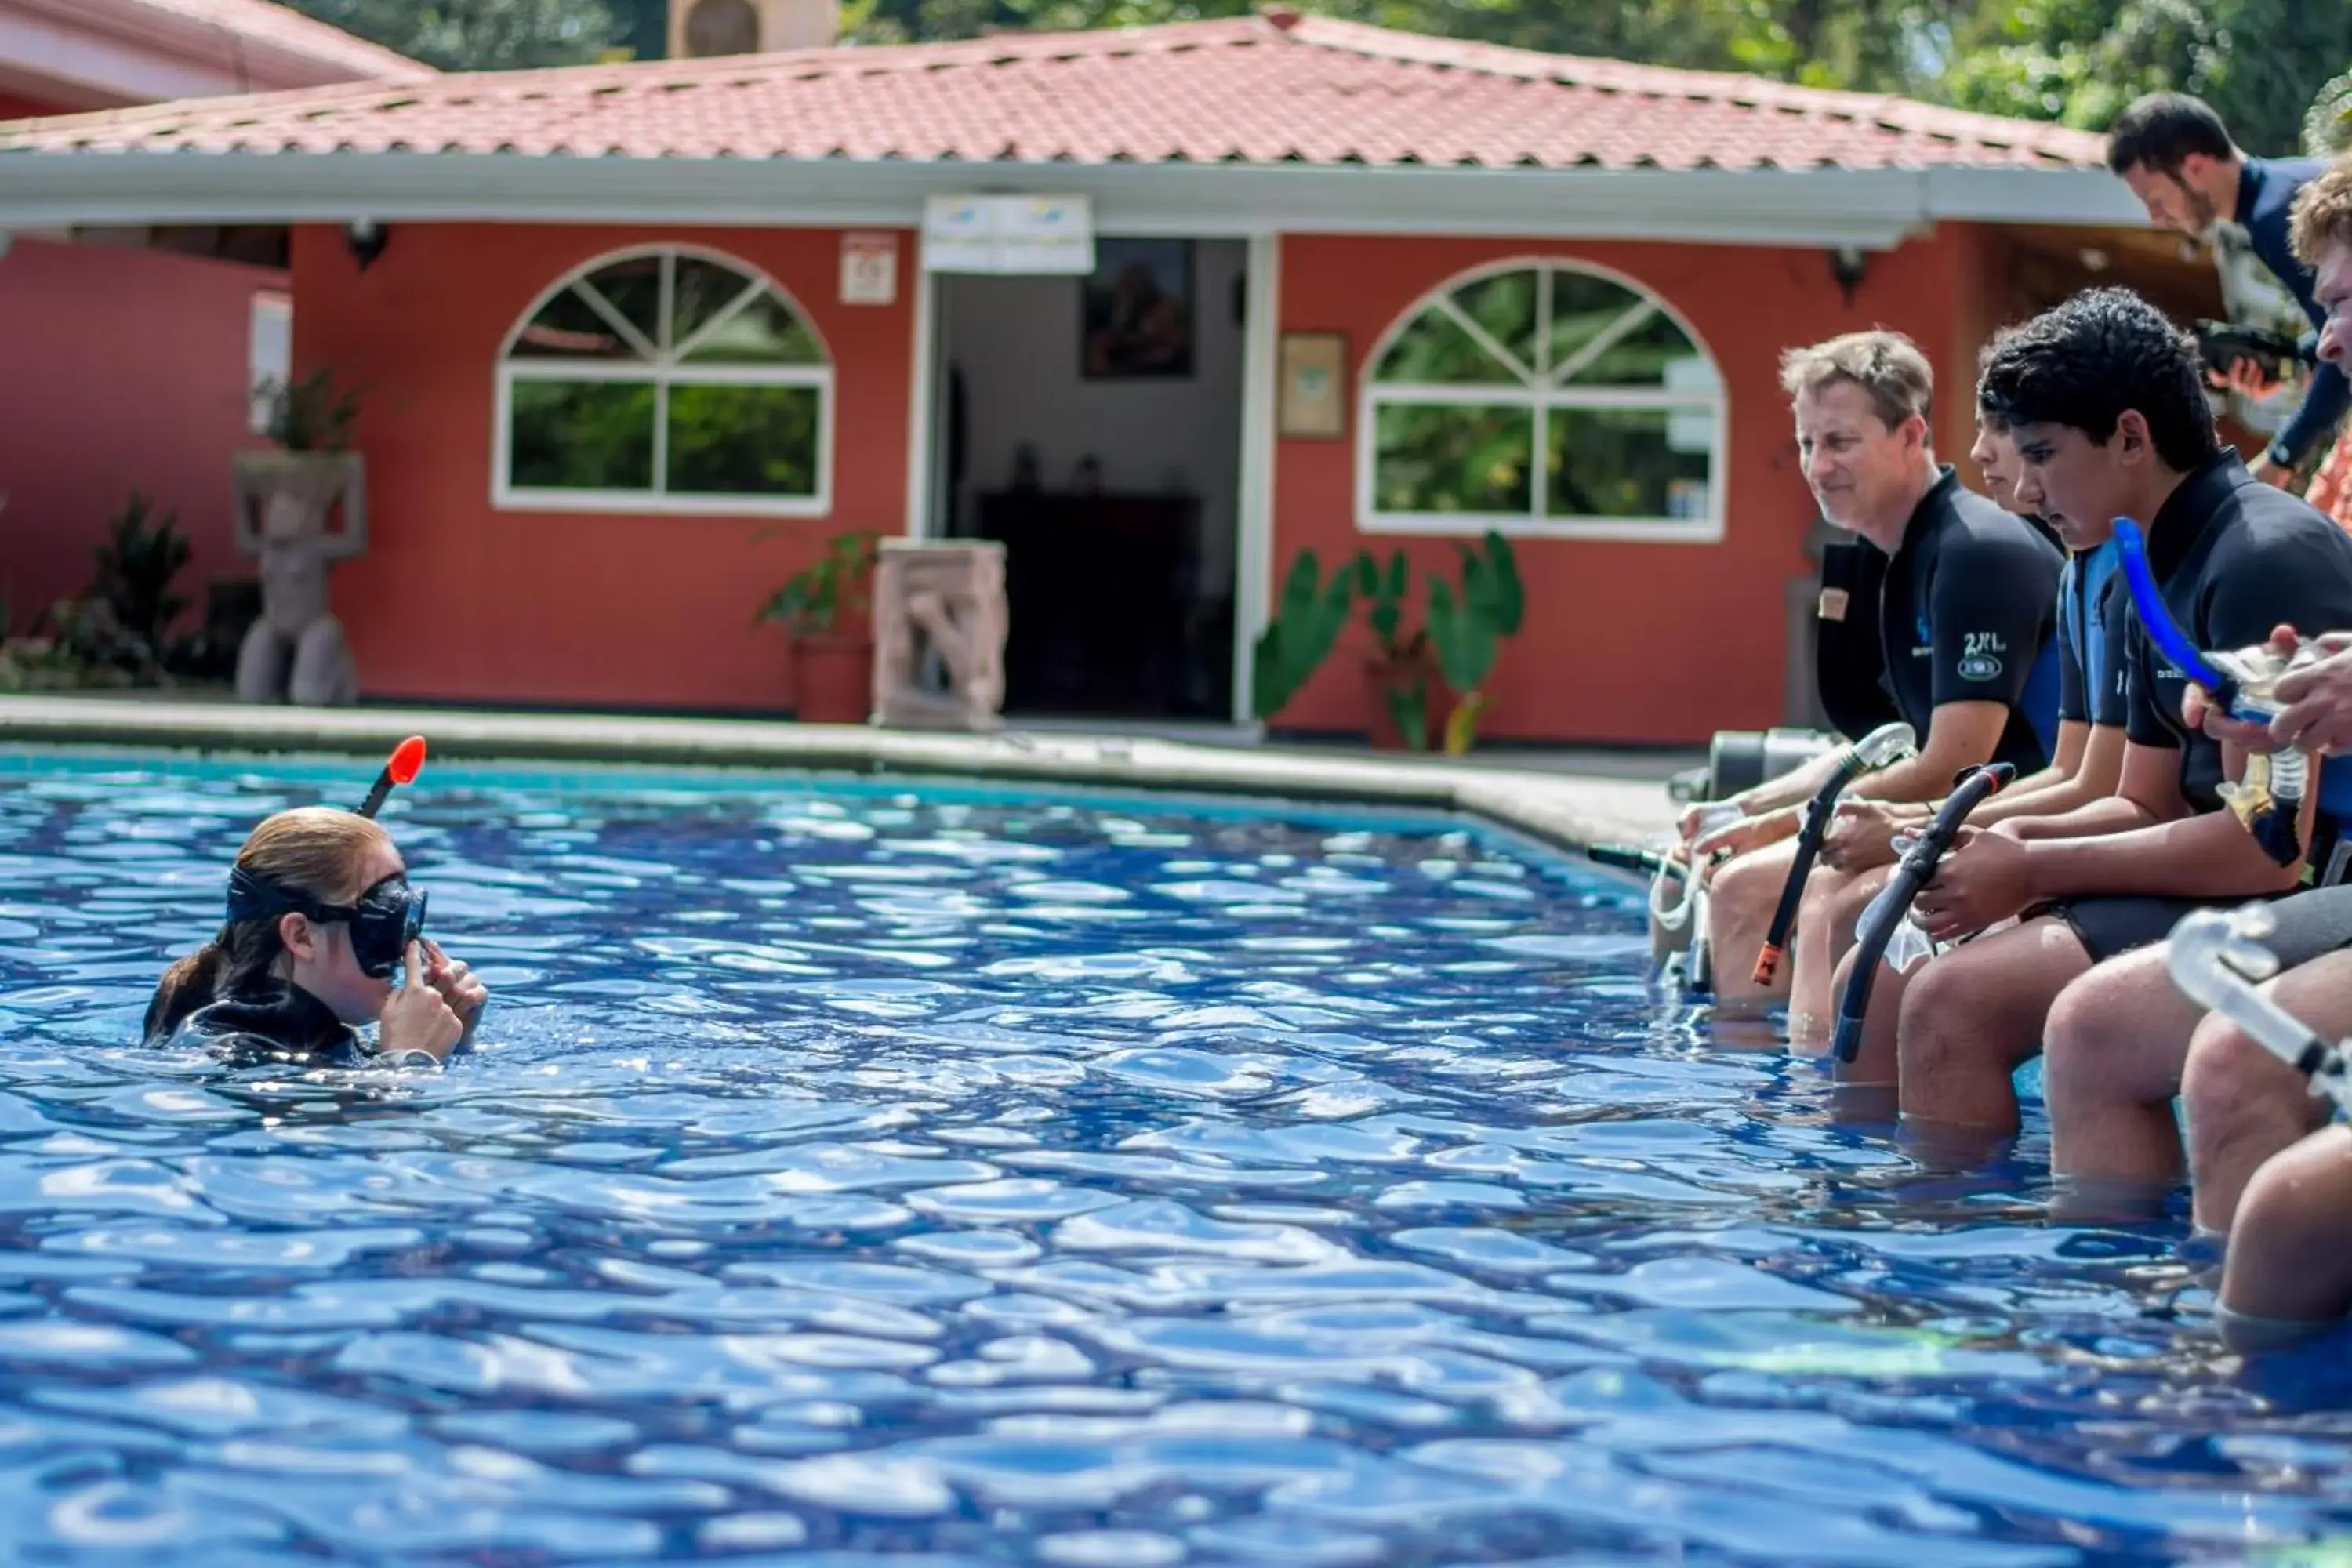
(856, 1174)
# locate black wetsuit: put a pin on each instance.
(269, 1017)
(1967, 612)
(2234, 557)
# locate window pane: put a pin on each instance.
(1582, 307)
(1505, 307)
(1435, 351)
(1628, 462)
(633, 288)
(743, 440)
(703, 289)
(582, 436)
(570, 328)
(1644, 356)
(765, 331)
(1434, 459)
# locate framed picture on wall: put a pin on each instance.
(1313, 371)
(1137, 311)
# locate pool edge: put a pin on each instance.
(1565, 810)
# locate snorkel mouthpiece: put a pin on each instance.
(407, 762)
(2268, 802)
(1867, 755)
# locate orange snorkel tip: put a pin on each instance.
(407, 762)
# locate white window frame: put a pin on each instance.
(1542, 395)
(663, 370)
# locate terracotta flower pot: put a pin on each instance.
(833, 679)
(1384, 674)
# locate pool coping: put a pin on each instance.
(1566, 810)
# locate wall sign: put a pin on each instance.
(1313, 372)
(869, 269)
(1014, 235)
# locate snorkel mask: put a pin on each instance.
(385, 919)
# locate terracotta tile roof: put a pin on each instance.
(328, 54)
(1277, 88)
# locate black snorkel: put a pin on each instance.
(2217, 959)
(1888, 911)
(1872, 751)
(2269, 802)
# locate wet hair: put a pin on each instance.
(1886, 365)
(313, 849)
(2323, 213)
(2084, 363)
(2163, 131)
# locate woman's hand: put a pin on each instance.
(1861, 836)
(1747, 833)
(418, 1018)
(459, 987)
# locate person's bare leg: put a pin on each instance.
(1834, 903)
(1969, 1018)
(2116, 1044)
(2244, 1105)
(2289, 1271)
(1740, 900)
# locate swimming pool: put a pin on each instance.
(970, 1178)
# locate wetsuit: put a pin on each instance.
(270, 1019)
(2094, 624)
(2234, 558)
(1968, 613)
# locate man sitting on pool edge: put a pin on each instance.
(1966, 615)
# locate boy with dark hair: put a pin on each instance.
(2106, 400)
(2178, 158)
(2111, 1107)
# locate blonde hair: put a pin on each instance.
(1886, 365)
(2322, 215)
(318, 850)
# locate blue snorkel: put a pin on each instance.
(2269, 802)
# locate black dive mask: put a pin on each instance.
(383, 920)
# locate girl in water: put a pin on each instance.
(319, 917)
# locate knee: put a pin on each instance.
(2229, 1082)
(1932, 1022)
(2078, 1040)
(1745, 882)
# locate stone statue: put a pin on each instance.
(939, 624)
(296, 652)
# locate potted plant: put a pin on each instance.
(1307, 623)
(1403, 687)
(310, 422)
(1466, 629)
(827, 612)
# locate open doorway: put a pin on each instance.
(1093, 424)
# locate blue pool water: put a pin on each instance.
(971, 1179)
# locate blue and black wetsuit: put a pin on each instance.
(2266, 192)
(2235, 558)
(2094, 624)
(1968, 613)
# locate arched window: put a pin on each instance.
(668, 380)
(1547, 398)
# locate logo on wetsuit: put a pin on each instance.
(1980, 656)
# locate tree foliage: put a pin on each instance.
(2260, 63)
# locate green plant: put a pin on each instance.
(1299, 638)
(840, 578)
(312, 415)
(127, 614)
(1466, 629)
(1386, 590)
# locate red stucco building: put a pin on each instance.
(1556, 291)
(126, 349)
